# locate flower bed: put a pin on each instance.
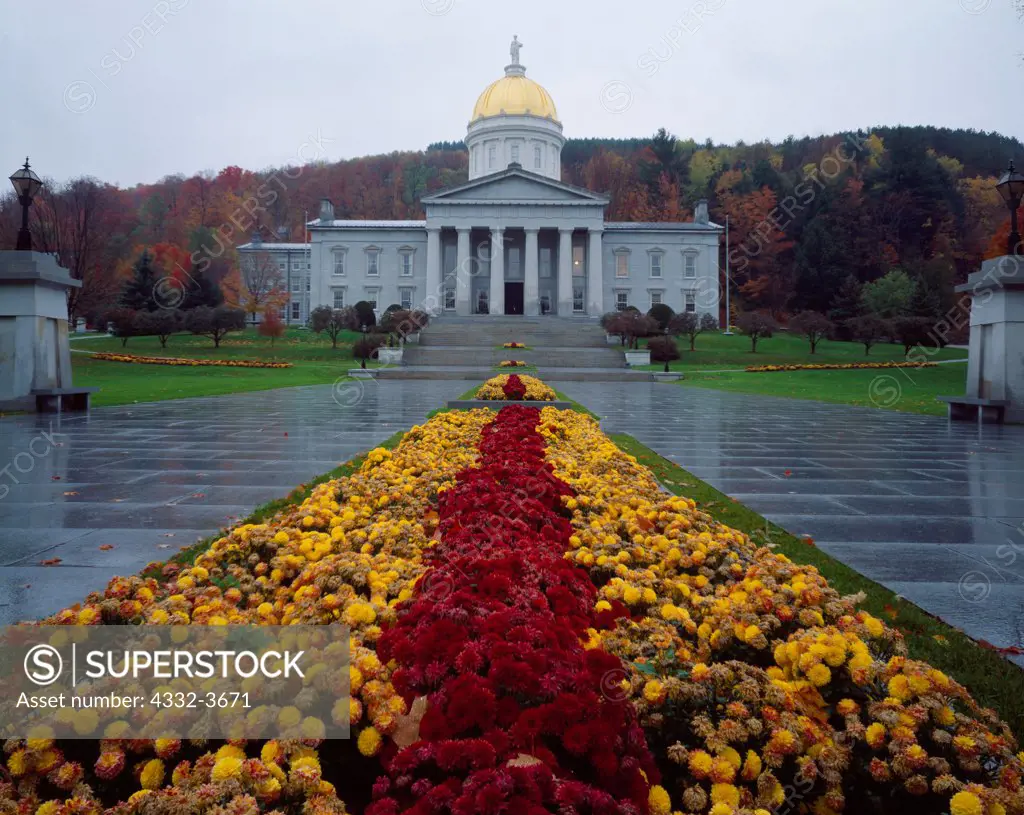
(758, 685)
(534, 390)
(511, 363)
(218, 363)
(843, 366)
(537, 627)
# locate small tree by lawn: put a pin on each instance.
(662, 313)
(333, 321)
(214, 323)
(663, 349)
(400, 323)
(868, 330)
(122, 323)
(690, 324)
(757, 326)
(911, 331)
(812, 324)
(160, 324)
(845, 306)
(890, 296)
(631, 326)
(271, 325)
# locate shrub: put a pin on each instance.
(812, 324)
(911, 331)
(663, 349)
(161, 323)
(366, 347)
(364, 311)
(333, 321)
(662, 313)
(757, 326)
(214, 323)
(402, 323)
(121, 322)
(689, 324)
(868, 330)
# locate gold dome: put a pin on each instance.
(515, 95)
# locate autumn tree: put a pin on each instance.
(814, 325)
(122, 323)
(262, 283)
(913, 331)
(271, 325)
(756, 326)
(691, 325)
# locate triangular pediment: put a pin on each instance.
(515, 185)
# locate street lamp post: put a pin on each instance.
(728, 315)
(26, 184)
(1011, 188)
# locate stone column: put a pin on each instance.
(434, 298)
(595, 275)
(463, 273)
(531, 288)
(564, 272)
(497, 299)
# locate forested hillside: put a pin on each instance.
(806, 214)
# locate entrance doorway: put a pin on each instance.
(513, 298)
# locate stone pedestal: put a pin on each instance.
(34, 352)
(995, 366)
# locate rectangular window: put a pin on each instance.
(622, 265)
(545, 262)
(621, 300)
(655, 298)
(513, 263)
(449, 298)
(656, 265)
(515, 153)
(296, 283)
(406, 298)
(339, 263)
(296, 310)
(372, 264)
(578, 269)
(691, 301)
(492, 156)
(690, 266)
(339, 298)
(577, 299)
(407, 264)
(281, 265)
(538, 158)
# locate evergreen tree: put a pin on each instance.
(846, 305)
(137, 294)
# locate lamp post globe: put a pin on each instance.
(26, 184)
(1011, 188)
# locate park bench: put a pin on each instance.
(973, 408)
(58, 400)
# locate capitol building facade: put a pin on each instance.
(513, 239)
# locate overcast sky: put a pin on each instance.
(132, 90)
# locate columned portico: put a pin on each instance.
(595, 275)
(564, 271)
(497, 305)
(531, 289)
(463, 272)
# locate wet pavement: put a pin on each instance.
(931, 509)
(110, 492)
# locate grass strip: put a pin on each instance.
(994, 682)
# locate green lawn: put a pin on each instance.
(717, 351)
(313, 359)
(994, 681)
(906, 389)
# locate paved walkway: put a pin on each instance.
(930, 509)
(148, 479)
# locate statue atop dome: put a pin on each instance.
(514, 49)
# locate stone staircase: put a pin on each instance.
(469, 347)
